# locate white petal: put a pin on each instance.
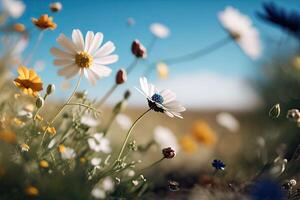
(77, 38)
(69, 71)
(61, 54)
(106, 60)
(96, 43)
(63, 62)
(168, 95)
(144, 85)
(91, 77)
(105, 50)
(101, 70)
(88, 40)
(66, 43)
(169, 114)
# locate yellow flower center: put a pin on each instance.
(83, 59)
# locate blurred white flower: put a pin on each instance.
(68, 153)
(96, 161)
(228, 121)
(124, 121)
(99, 143)
(240, 28)
(89, 120)
(86, 57)
(161, 101)
(162, 70)
(13, 8)
(108, 184)
(130, 173)
(98, 193)
(51, 143)
(164, 137)
(24, 114)
(14, 47)
(159, 30)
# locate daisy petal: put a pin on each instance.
(106, 60)
(62, 62)
(77, 38)
(105, 50)
(88, 40)
(66, 43)
(69, 71)
(97, 41)
(60, 54)
(101, 71)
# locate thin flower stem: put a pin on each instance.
(153, 164)
(32, 52)
(129, 132)
(112, 118)
(83, 105)
(114, 87)
(62, 108)
(191, 56)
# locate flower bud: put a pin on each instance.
(121, 76)
(55, 7)
(173, 186)
(138, 49)
(18, 27)
(168, 153)
(127, 94)
(275, 111)
(39, 102)
(50, 89)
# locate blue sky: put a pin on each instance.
(193, 24)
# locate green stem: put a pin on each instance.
(83, 105)
(61, 109)
(129, 132)
(153, 164)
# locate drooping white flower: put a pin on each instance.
(164, 137)
(124, 121)
(99, 143)
(161, 101)
(13, 8)
(96, 161)
(241, 29)
(228, 121)
(86, 57)
(159, 30)
(68, 153)
(89, 120)
(98, 193)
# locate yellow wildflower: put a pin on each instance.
(18, 122)
(18, 27)
(39, 117)
(61, 148)
(203, 133)
(44, 22)
(44, 164)
(188, 144)
(31, 191)
(162, 70)
(50, 129)
(28, 81)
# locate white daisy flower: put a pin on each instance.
(96, 161)
(68, 153)
(13, 8)
(164, 137)
(84, 56)
(228, 121)
(161, 101)
(99, 144)
(240, 28)
(89, 120)
(159, 30)
(124, 121)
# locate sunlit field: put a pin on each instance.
(136, 99)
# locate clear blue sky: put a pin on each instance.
(193, 24)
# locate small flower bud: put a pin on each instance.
(173, 186)
(55, 7)
(44, 164)
(121, 76)
(138, 49)
(168, 153)
(39, 102)
(50, 89)
(18, 27)
(293, 114)
(275, 111)
(127, 94)
(81, 95)
(132, 146)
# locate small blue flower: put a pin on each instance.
(288, 20)
(157, 98)
(218, 165)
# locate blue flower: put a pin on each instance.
(288, 20)
(218, 165)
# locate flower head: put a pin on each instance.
(218, 165)
(121, 76)
(203, 133)
(138, 49)
(44, 22)
(164, 137)
(168, 153)
(13, 8)
(24, 147)
(89, 120)
(188, 144)
(18, 27)
(228, 121)
(31, 191)
(239, 26)
(68, 153)
(84, 56)
(55, 7)
(99, 144)
(161, 101)
(124, 121)
(28, 81)
(162, 70)
(159, 30)
(288, 20)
